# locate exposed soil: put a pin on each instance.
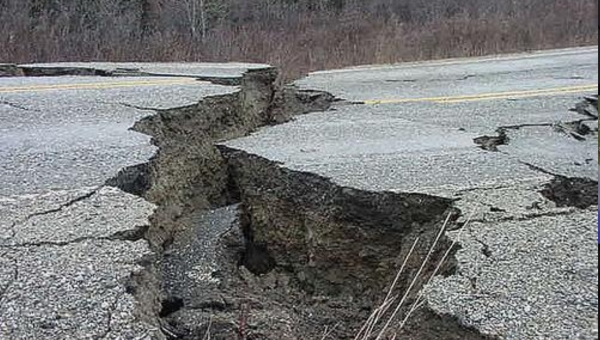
(491, 143)
(279, 254)
(572, 192)
(302, 255)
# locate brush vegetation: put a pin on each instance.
(296, 35)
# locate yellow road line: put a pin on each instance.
(95, 86)
(463, 61)
(488, 96)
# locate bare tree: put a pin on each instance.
(196, 17)
(149, 18)
(297, 35)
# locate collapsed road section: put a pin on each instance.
(297, 230)
(76, 261)
(189, 176)
(526, 215)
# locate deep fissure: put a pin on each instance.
(313, 253)
(300, 253)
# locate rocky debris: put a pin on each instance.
(192, 265)
(588, 107)
(11, 70)
(578, 130)
(491, 143)
(572, 192)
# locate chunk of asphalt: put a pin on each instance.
(11, 70)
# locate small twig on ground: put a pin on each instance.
(207, 335)
(367, 329)
(414, 281)
(243, 323)
(328, 331)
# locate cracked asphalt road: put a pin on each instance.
(69, 132)
(535, 264)
(69, 246)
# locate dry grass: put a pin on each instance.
(297, 36)
(381, 322)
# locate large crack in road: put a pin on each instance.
(251, 250)
(286, 254)
(246, 248)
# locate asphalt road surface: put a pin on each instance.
(527, 268)
(63, 267)
(416, 130)
(62, 270)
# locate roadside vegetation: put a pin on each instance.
(296, 35)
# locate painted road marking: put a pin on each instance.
(97, 86)
(488, 96)
(464, 61)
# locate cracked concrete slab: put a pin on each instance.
(79, 94)
(554, 151)
(517, 201)
(429, 147)
(493, 74)
(15, 209)
(70, 281)
(76, 268)
(75, 131)
(482, 117)
(353, 147)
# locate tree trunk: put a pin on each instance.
(150, 17)
(203, 20)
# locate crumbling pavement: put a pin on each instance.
(259, 238)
